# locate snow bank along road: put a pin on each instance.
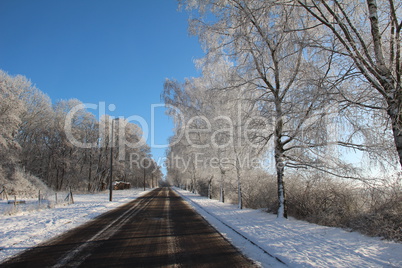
(261, 236)
(157, 229)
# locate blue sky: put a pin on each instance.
(113, 51)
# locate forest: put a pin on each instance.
(45, 145)
(297, 110)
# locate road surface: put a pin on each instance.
(157, 230)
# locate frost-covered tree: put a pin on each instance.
(211, 130)
(36, 124)
(272, 49)
(270, 59)
(11, 109)
(365, 40)
(64, 144)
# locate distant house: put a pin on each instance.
(120, 185)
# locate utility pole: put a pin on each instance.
(111, 165)
(144, 178)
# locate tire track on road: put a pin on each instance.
(158, 229)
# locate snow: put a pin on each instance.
(296, 243)
(29, 226)
(259, 235)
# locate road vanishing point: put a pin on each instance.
(158, 229)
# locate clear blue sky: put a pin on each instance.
(113, 51)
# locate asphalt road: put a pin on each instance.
(157, 230)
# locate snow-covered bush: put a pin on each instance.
(23, 185)
(382, 215)
(374, 211)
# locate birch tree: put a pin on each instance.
(366, 38)
(271, 45)
(256, 36)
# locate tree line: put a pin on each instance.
(64, 148)
(308, 90)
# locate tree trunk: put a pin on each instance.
(222, 191)
(57, 179)
(210, 187)
(239, 192)
(282, 209)
(394, 114)
(239, 195)
(279, 162)
(193, 183)
(90, 173)
(390, 85)
(144, 179)
(63, 170)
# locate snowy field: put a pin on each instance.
(259, 235)
(30, 226)
(296, 243)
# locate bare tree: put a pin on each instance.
(296, 86)
(37, 122)
(63, 144)
(366, 39)
(271, 59)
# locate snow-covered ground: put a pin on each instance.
(296, 243)
(30, 227)
(259, 235)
